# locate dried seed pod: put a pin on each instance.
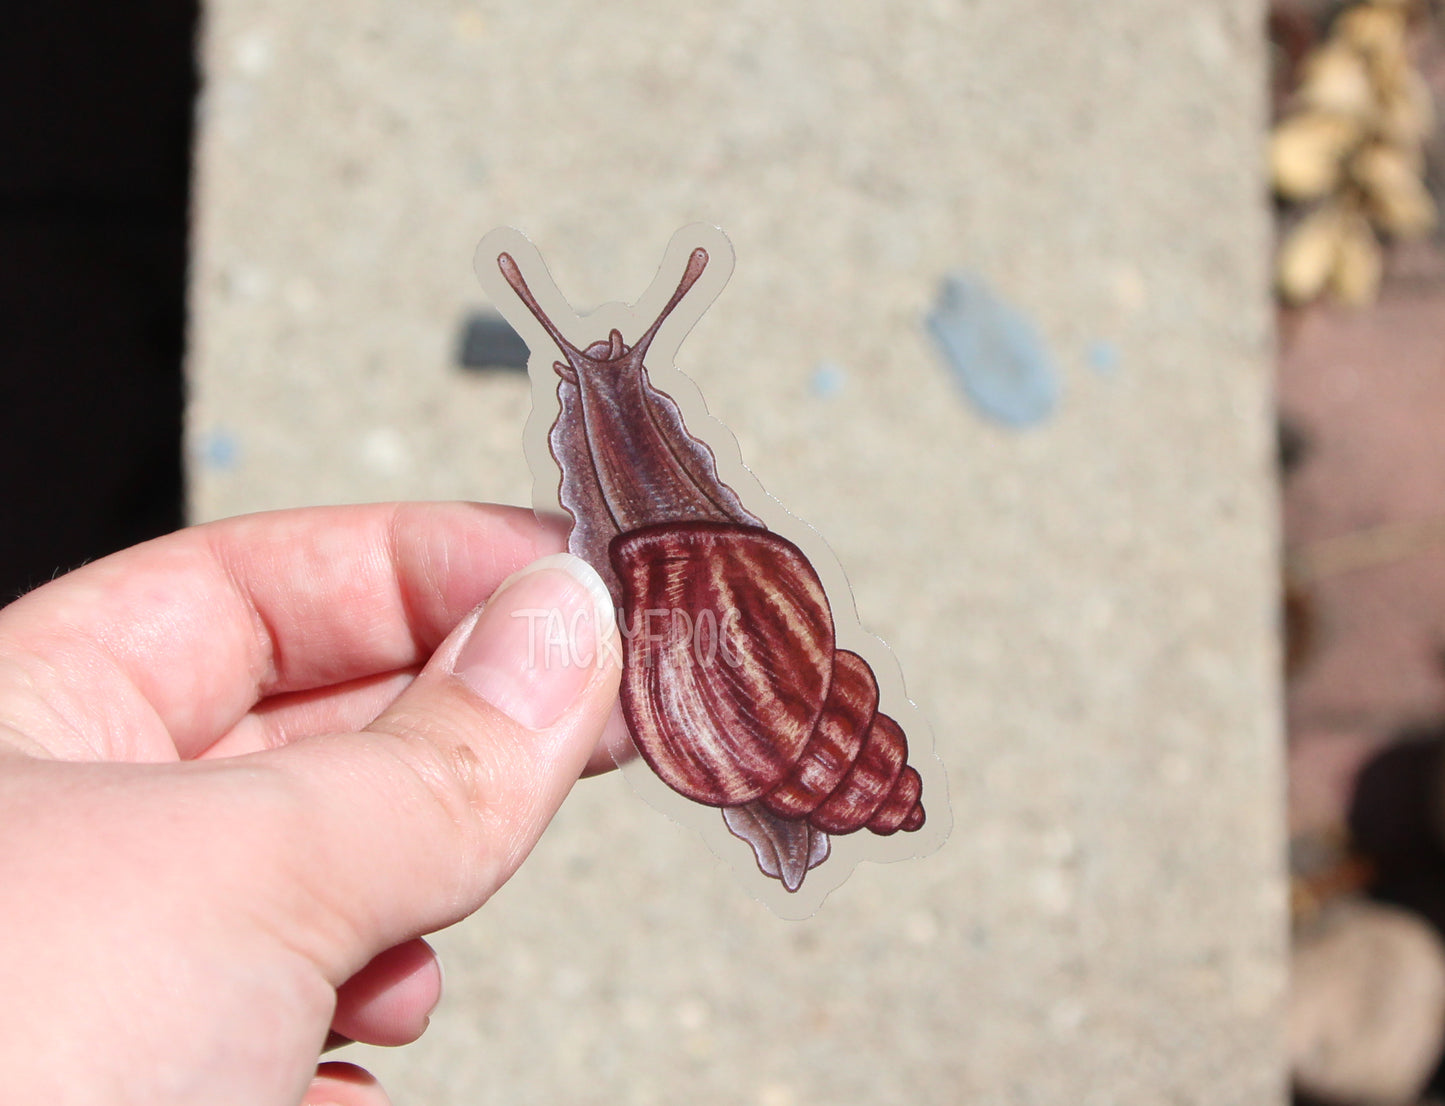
(1359, 263)
(1336, 81)
(1307, 152)
(1376, 31)
(1407, 111)
(1309, 252)
(1398, 199)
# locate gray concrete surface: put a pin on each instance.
(1084, 608)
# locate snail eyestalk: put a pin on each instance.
(696, 263)
(513, 276)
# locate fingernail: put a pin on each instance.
(536, 643)
(441, 988)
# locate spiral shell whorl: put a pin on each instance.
(769, 710)
(853, 774)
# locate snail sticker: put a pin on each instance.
(748, 685)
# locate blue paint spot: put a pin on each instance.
(994, 352)
(828, 380)
(220, 450)
(1103, 357)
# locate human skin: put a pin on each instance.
(244, 768)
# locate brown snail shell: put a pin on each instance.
(768, 709)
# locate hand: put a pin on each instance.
(244, 767)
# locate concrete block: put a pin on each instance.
(1085, 606)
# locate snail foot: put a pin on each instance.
(785, 850)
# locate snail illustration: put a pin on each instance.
(734, 688)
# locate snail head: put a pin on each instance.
(614, 352)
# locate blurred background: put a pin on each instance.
(1101, 341)
(1356, 158)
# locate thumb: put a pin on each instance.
(422, 816)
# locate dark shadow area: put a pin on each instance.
(96, 103)
(489, 342)
(1397, 826)
(1395, 823)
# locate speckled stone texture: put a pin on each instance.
(1086, 608)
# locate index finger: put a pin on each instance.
(192, 629)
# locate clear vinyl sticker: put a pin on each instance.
(748, 685)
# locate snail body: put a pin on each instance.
(734, 688)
